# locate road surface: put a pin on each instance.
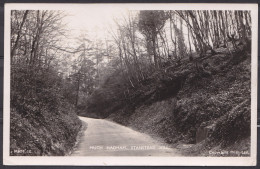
(106, 138)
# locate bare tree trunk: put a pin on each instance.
(237, 23)
(223, 29)
(242, 25)
(18, 36)
(248, 29)
(189, 40)
(173, 41)
(36, 39)
(155, 57)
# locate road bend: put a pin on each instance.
(106, 138)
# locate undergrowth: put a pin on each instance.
(176, 102)
(42, 122)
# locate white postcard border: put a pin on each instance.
(131, 161)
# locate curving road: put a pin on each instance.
(106, 138)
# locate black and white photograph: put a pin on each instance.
(130, 81)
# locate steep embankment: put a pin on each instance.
(207, 103)
(42, 121)
(50, 134)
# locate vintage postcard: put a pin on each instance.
(130, 84)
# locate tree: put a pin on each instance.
(20, 27)
(150, 24)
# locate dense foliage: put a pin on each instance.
(43, 119)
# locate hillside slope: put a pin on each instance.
(206, 101)
(42, 122)
(53, 134)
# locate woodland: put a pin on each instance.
(165, 73)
